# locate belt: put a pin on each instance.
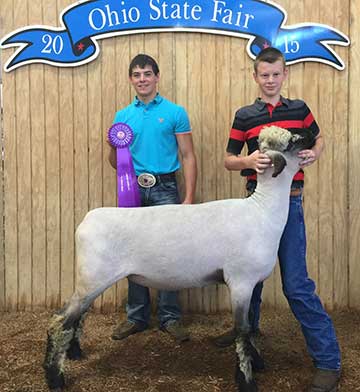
(148, 180)
(293, 192)
(296, 192)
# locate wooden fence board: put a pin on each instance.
(38, 194)
(52, 168)
(166, 59)
(237, 100)
(151, 46)
(66, 128)
(341, 167)
(23, 141)
(311, 200)
(38, 176)
(326, 193)
(10, 175)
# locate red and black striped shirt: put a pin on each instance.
(250, 120)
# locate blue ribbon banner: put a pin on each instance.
(85, 22)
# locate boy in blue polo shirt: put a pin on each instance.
(161, 131)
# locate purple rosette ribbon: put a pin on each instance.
(120, 136)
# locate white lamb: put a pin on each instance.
(174, 247)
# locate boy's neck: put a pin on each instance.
(272, 100)
(147, 99)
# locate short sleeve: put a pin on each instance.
(182, 121)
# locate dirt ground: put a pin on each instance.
(152, 362)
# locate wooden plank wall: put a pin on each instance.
(55, 155)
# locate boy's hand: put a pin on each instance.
(308, 157)
(260, 161)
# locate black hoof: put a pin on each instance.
(74, 352)
(242, 385)
(257, 362)
(54, 378)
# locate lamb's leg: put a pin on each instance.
(65, 327)
(74, 351)
(61, 332)
(240, 297)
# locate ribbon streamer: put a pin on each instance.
(120, 136)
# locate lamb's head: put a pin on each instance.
(276, 141)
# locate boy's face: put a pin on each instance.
(144, 82)
(270, 77)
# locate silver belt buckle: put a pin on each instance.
(146, 180)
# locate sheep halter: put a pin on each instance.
(120, 136)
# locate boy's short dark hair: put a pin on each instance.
(142, 60)
(269, 55)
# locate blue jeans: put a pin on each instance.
(139, 306)
(299, 291)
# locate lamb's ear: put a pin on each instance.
(301, 139)
(278, 161)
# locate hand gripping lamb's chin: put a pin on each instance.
(275, 141)
(232, 241)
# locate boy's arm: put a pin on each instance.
(186, 149)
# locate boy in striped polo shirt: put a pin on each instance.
(273, 109)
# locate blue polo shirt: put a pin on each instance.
(155, 125)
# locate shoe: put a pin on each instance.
(176, 331)
(126, 329)
(226, 339)
(325, 381)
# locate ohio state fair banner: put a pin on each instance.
(263, 23)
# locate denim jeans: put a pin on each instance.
(299, 290)
(139, 306)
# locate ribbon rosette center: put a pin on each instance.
(120, 135)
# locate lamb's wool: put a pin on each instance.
(274, 138)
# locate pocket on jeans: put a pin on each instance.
(165, 193)
(169, 185)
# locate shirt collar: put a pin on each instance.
(157, 99)
(260, 104)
